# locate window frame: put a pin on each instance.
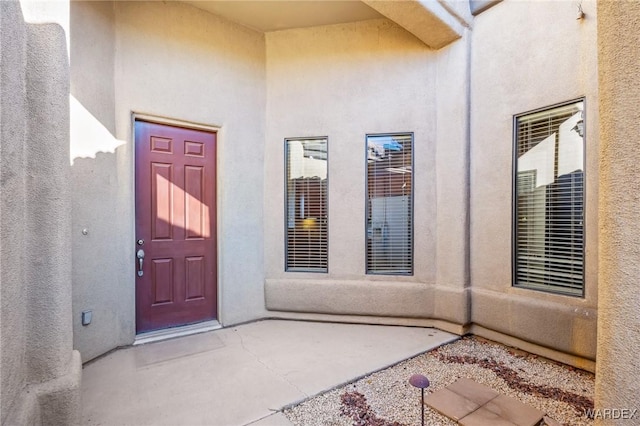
(288, 268)
(514, 201)
(367, 208)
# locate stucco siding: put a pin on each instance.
(40, 371)
(525, 56)
(67, 210)
(345, 81)
(618, 364)
(13, 116)
(169, 60)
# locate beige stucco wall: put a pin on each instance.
(340, 81)
(618, 365)
(175, 61)
(172, 60)
(14, 313)
(344, 81)
(40, 371)
(528, 55)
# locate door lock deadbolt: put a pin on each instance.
(140, 242)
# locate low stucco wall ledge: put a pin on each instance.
(566, 327)
(370, 298)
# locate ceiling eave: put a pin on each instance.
(435, 23)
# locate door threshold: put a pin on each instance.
(173, 332)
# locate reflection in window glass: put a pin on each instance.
(306, 204)
(390, 204)
(550, 198)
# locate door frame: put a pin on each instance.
(137, 116)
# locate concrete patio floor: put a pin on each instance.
(240, 375)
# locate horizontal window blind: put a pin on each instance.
(306, 205)
(390, 204)
(549, 208)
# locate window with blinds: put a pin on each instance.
(306, 204)
(390, 204)
(549, 199)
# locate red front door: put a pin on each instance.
(175, 226)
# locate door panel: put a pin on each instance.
(176, 219)
(161, 201)
(195, 277)
(162, 281)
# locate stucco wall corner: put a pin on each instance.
(618, 365)
(452, 167)
(452, 305)
(25, 410)
(55, 402)
(60, 399)
(41, 373)
(48, 207)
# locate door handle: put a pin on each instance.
(140, 256)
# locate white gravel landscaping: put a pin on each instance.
(386, 398)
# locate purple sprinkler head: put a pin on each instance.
(419, 381)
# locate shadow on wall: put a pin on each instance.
(101, 233)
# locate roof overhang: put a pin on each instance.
(435, 22)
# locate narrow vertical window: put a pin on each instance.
(306, 204)
(549, 199)
(390, 204)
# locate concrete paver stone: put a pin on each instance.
(515, 411)
(473, 404)
(450, 404)
(473, 391)
(484, 417)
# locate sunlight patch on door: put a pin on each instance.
(193, 214)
